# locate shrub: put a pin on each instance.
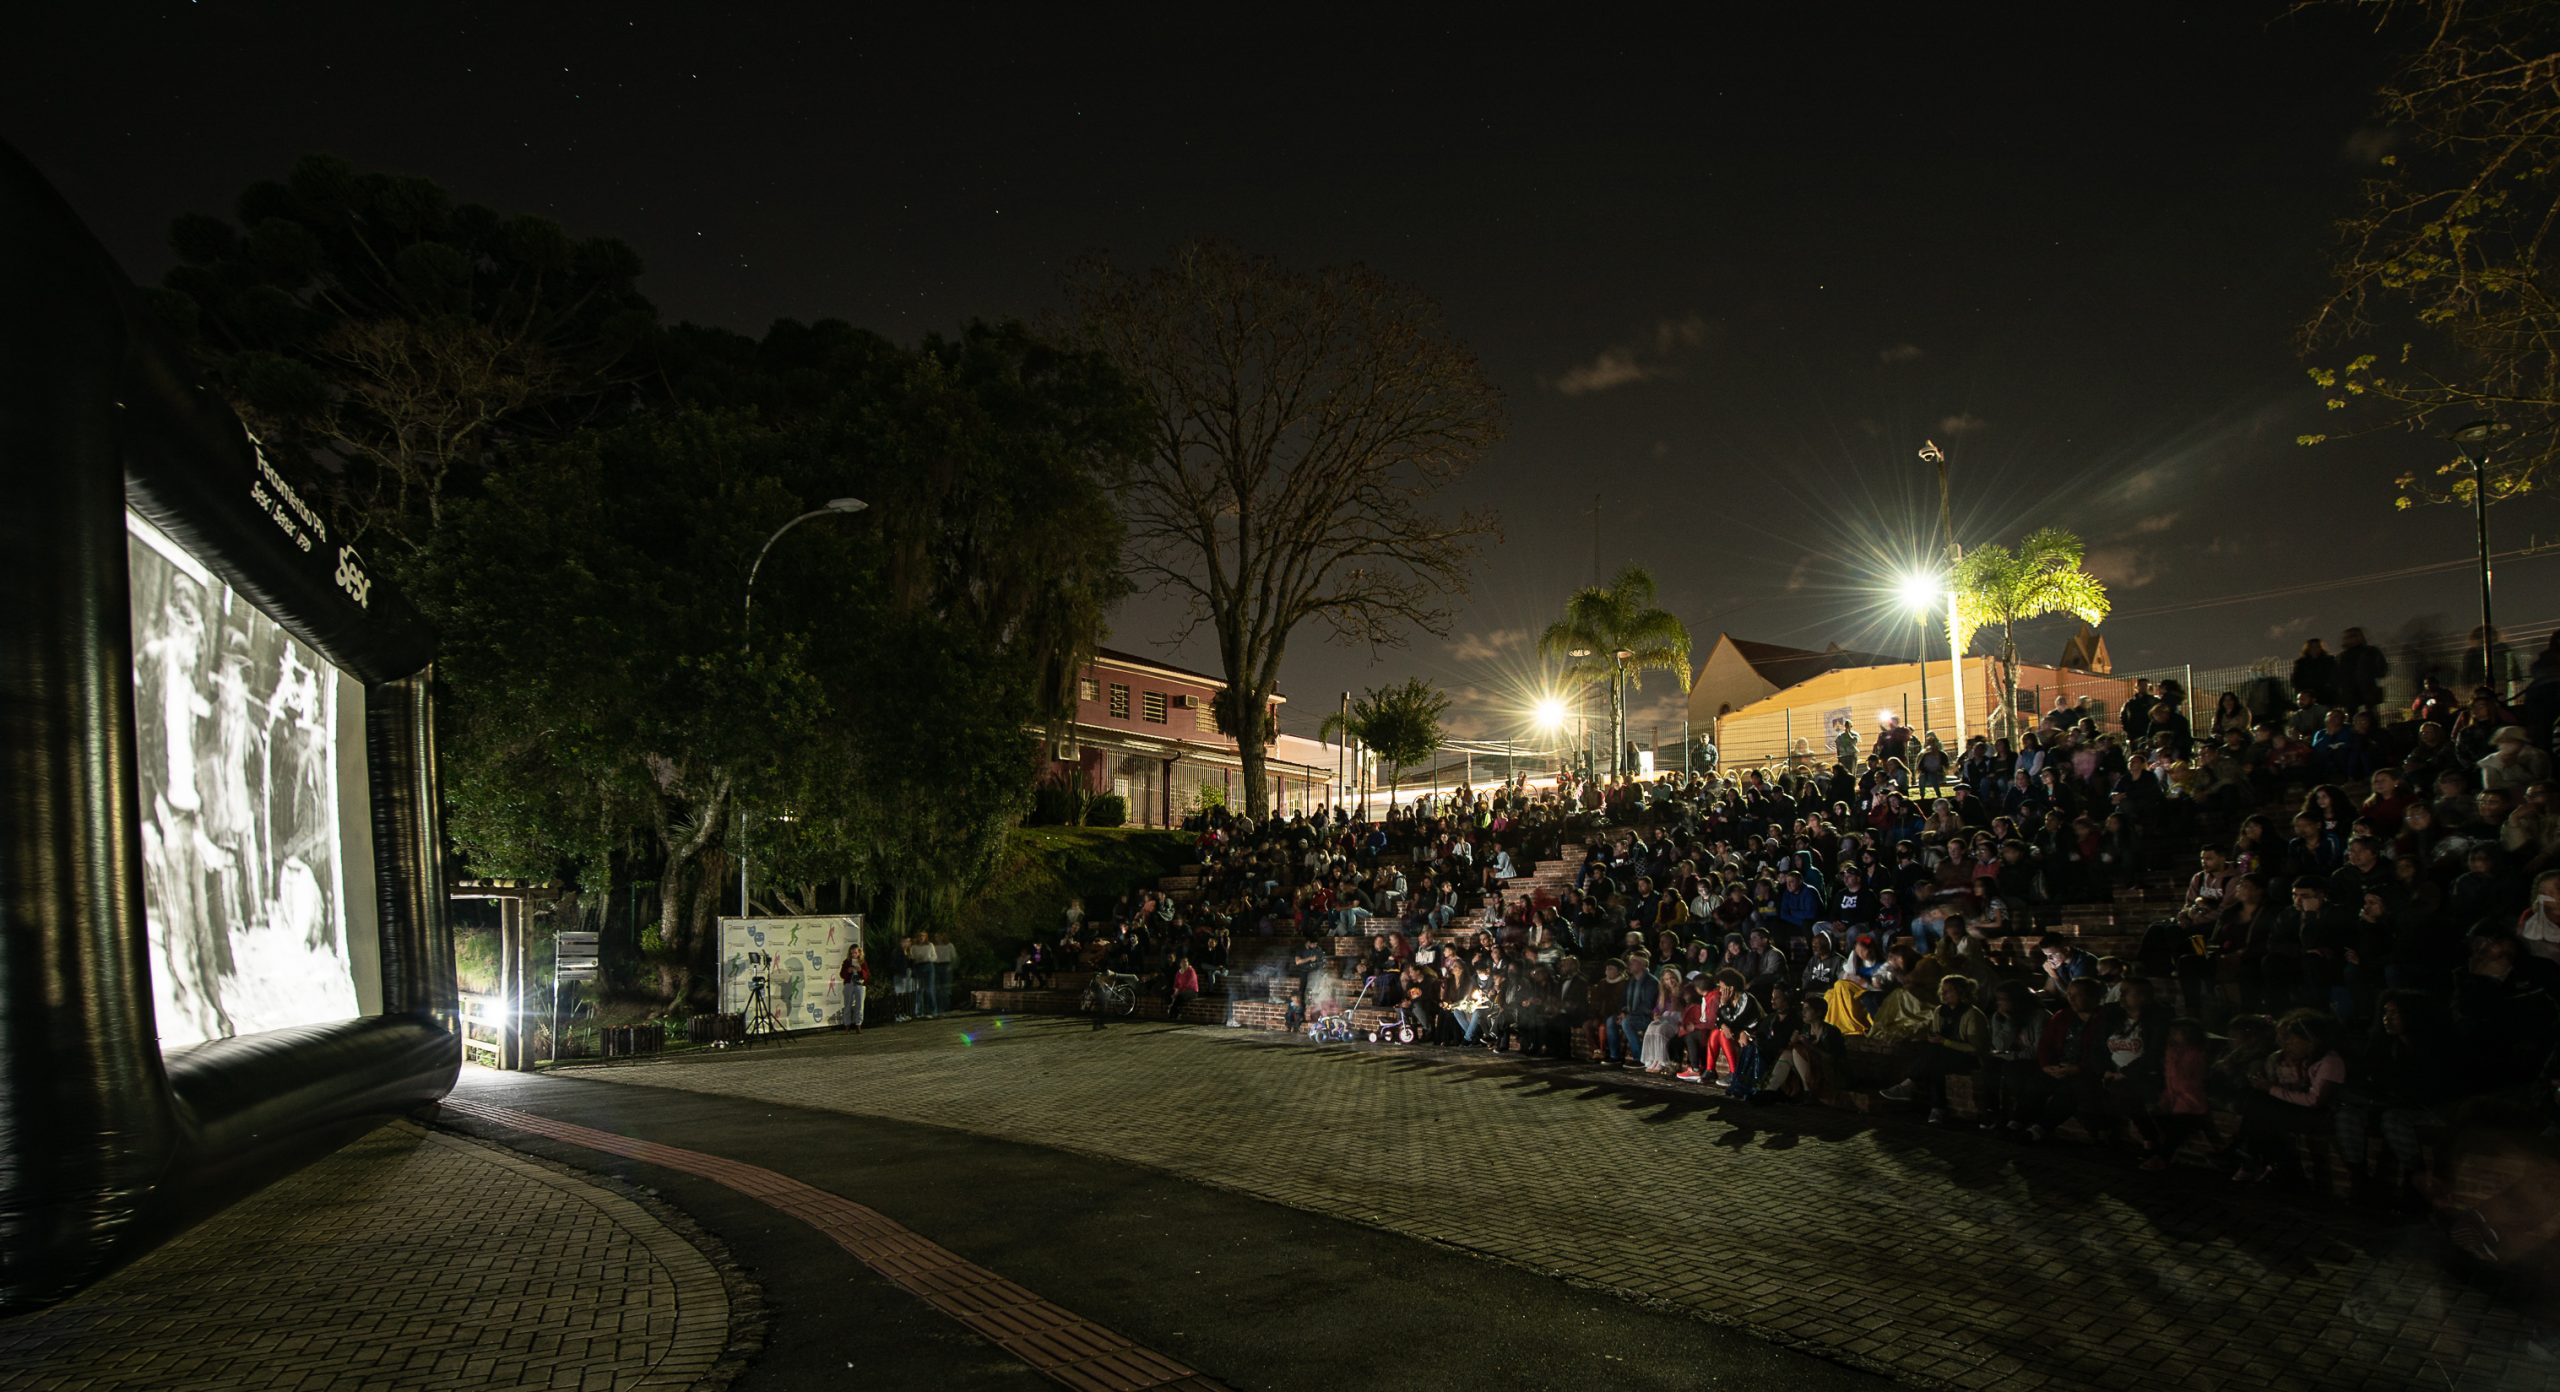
(1056, 802)
(1107, 810)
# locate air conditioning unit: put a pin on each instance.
(1067, 751)
(1189, 702)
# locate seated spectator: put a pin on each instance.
(2136, 1040)
(2183, 1108)
(1733, 1047)
(2301, 1094)
(1955, 1037)
(2070, 1059)
(2512, 763)
(2393, 1088)
(2009, 1055)
(1814, 1059)
(1908, 1010)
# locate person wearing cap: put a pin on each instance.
(2513, 763)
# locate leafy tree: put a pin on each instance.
(601, 715)
(1997, 588)
(1401, 724)
(1300, 427)
(880, 730)
(394, 338)
(1619, 635)
(2445, 266)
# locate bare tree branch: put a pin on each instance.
(1305, 425)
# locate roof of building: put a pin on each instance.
(1120, 658)
(1783, 666)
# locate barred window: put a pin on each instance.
(1155, 707)
(1119, 701)
(1087, 689)
(1207, 719)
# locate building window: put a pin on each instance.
(1087, 689)
(1119, 701)
(1155, 707)
(1207, 719)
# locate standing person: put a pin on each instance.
(855, 975)
(1844, 741)
(2315, 674)
(2135, 718)
(902, 976)
(938, 985)
(2361, 668)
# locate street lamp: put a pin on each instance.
(746, 632)
(1550, 716)
(2480, 432)
(1919, 591)
(1932, 455)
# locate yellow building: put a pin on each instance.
(1800, 716)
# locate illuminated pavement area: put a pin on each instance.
(1940, 1257)
(406, 1260)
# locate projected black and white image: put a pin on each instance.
(237, 732)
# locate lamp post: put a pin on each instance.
(2480, 432)
(1931, 454)
(1550, 717)
(746, 635)
(1920, 596)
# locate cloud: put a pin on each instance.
(1482, 647)
(1962, 423)
(1801, 574)
(2142, 483)
(2155, 524)
(1899, 353)
(2290, 627)
(2123, 566)
(1652, 356)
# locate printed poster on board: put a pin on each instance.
(798, 958)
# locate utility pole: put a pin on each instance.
(2479, 433)
(1930, 453)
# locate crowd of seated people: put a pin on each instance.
(2364, 942)
(1441, 863)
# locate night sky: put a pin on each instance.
(1729, 270)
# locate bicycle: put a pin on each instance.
(1110, 993)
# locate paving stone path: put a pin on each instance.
(408, 1260)
(1945, 1257)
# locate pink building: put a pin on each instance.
(1143, 729)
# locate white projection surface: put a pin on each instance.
(257, 853)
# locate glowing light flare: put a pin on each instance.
(1550, 714)
(1921, 591)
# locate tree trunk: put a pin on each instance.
(673, 903)
(1257, 793)
(2009, 676)
(1618, 726)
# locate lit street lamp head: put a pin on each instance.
(1550, 713)
(846, 505)
(1921, 592)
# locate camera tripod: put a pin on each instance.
(761, 1020)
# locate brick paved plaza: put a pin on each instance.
(409, 1259)
(1943, 1257)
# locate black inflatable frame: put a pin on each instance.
(105, 1148)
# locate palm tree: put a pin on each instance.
(1400, 724)
(1995, 588)
(1613, 633)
